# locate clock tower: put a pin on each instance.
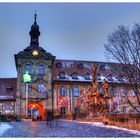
(38, 63)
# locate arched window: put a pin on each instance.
(61, 75)
(62, 91)
(28, 68)
(74, 75)
(41, 69)
(75, 92)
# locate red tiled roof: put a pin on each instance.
(70, 66)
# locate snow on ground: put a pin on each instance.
(4, 127)
(100, 124)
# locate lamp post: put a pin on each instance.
(26, 80)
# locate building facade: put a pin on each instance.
(38, 63)
(56, 84)
(7, 95)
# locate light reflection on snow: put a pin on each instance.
(4, 127)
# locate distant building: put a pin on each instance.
(56, 84)
(7, 95)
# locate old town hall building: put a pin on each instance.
(55, 84)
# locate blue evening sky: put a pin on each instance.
(76, 31)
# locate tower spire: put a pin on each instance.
(35, 17)
(34, 33)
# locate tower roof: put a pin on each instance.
(34, 33)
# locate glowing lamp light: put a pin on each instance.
(26, 77)
(33, 106)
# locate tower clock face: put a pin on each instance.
(35, 53)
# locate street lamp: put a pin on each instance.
(26, 80)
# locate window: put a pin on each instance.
(74, 75)
(75, 92)
(124, 109)
(122, 92)
(80, 66)
(75, 110)
(102, 67)
(86, 76)
(61, 75)
(41, 88)
(9, 87)
(63, 111)
(131, 92)
(120, 78)
(100, 90)
(28, 68)
(111, 92)
(110, 77)
(62, 91)
(98, 77)
(41, 69)
(7, 106)
(59, 65)
(115, 109)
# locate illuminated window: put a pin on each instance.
(28, 68)
(62, 91)
(41, 88)
(41, 69)
(75, 92)
(63, 111)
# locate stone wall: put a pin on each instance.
(130, 121)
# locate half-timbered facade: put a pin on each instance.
(7, 95)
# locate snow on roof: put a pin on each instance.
(6, 97)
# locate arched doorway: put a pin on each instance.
(35, 110)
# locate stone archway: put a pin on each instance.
(39, 107)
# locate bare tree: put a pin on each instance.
(123, 46)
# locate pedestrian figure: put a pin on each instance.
(49, 118)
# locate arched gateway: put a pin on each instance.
(35, 110)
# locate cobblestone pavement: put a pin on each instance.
(62, 128)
